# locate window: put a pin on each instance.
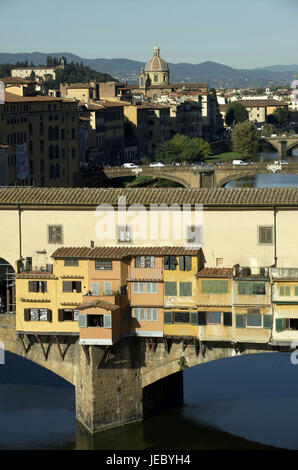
(68, 314)
(251, 288)
(145, 314)
(253, 318)
(94, 288)
(71, 262)
(194, 234)
(171, 288)
(214, 286)
(108, 288)
(37, 314)
(95, 320)
(103, 264)
(37, 286)
(72, 286)
(124, 233)
(185, 263)
(285, 291)
(145, 287)
(185, 289)
(181, 317)
(214, 317)
(144, 261)
(266, 235)
(170, 263)
(55, 234)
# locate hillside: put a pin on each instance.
(212, 72)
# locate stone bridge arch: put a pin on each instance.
(153, 173)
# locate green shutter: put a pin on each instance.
(107, 321)
(296, 290)
(281, 290)
(222, 287)
(244, 288)
(202, 318)
(227, 318)
(82, 320)
(267, 321)
(185, 289)
(50, 315)
(167, 317)
(181, 263)
(166, 262)
(205, 286)
(288, 292)
(27, 314)
(279, 324)
(188, 263)
(60, 314)
(240, 320)
(171, 288)
(194, 318)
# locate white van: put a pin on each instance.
(238, 162)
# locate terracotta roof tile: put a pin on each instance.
(119, 252)
(215, 272)
(98, 304)
(92, 197)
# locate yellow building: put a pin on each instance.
(215, 287)
(181, 292)
(285, 305)
(49, 128)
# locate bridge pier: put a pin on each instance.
(109, 394)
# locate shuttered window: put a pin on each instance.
(37, 314)
(170, 263)
(108, 288)
(240, 320)
(253, 319)
(258, 289)
(55, 234)
(181, 317)
(279, 324)
(215, 286)
(185, 263)
(145, 262)
(145, 287)
(285, 290)
(267, 321)
(202, 318)
(37, 286)
(95, 288)
(171, 288)
(107, 321)
(194, 318)
(124, 233)
(103, 264)
(227, 318)
(214, 317)
(167, 317)
(244, 288)
(72, 286)
(71, 262)
(185, 289)
(266, 235)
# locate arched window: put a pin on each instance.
(57, 170)
(50, 133)
(51, 151)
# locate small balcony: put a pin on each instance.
(145, 274)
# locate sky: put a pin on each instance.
(237, 33)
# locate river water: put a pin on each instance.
(267, 180)
(244, 402)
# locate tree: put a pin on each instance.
(236, 112)
(32, 75)
(267, 130)
(182, 148)
(245, 138)
(281, 114)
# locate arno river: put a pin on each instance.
(244, 402)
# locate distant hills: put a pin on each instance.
(217, 75)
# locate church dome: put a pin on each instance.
(156, 63)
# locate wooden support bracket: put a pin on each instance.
(23, 344)
(42, 347)
(59, 348)
(86, 351)
(105, 357)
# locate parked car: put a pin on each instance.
(129, 165)
(239, 162)
(175, 164)
(156, 164)
(281, 162)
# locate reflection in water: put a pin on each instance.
(268, 180)
(254, 397)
